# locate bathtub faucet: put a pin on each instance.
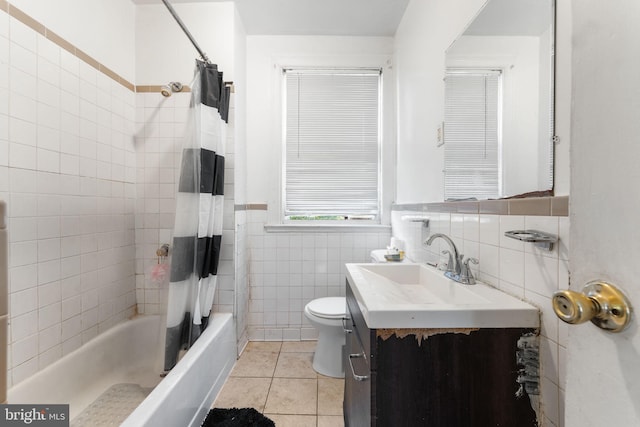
(457, 268)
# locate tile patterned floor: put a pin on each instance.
(277, 378)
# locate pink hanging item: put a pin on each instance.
(160, 271)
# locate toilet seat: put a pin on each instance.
(328, 308)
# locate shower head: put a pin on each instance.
(168, 89)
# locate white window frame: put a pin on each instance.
(480, 71)
(373, 220)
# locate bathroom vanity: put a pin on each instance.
(405, 367)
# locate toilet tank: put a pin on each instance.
(377, 255)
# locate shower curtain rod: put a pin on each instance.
(186, 31)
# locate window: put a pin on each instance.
(332, 133)
(472, 160)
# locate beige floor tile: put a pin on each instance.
(295, 365)
(292, 396)
(255, 364)
(293, 420)
(330, 421)
(263, 346)
(240, 392)
(298, 346)
(330, 396)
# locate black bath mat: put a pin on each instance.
(236, 417)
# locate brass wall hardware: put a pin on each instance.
(601, 302)
(162, 252)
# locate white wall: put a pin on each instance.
(163, 54)
(240, 98)
(426, 31)
(266, 55)
(80, 177)
(240, 184)
(67, 171)
(104, 29)
(160, 123)
(289, 269)
(603, 373)
(163, 51)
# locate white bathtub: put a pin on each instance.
(184, 397)
(131, 353)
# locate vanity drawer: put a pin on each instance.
(364, 335)
(358, 393)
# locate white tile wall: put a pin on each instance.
(71, 218)
(288, 269)
(520, 269)
(242, 304)
(160, 127)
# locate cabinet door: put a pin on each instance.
(357, 384)
(357, 368)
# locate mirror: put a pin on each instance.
(499, 103)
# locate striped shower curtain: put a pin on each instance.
(197, 232)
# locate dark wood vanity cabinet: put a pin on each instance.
(435, 377)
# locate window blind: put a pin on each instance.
(472, 135)
(332, 142)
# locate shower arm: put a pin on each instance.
(186, 31)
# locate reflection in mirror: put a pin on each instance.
(499, 115)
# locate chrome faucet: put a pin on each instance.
(453, 266)
(457, 267)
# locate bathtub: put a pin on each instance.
(131, 353)
(184, 397)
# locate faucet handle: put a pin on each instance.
(470, 259)
(450, 262)
(466, 275)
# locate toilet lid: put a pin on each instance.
(329, 308)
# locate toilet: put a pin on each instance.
(326, 314)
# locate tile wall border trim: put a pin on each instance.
(18, 14)
(533, 206)
(251, 207)
(64, 44)
(157, 88)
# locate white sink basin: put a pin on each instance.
(419, 296)
(418, 285)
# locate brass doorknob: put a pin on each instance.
(601, 302)
(574, 307)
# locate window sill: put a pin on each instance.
(326, 228)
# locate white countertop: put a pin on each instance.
(410, 295)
